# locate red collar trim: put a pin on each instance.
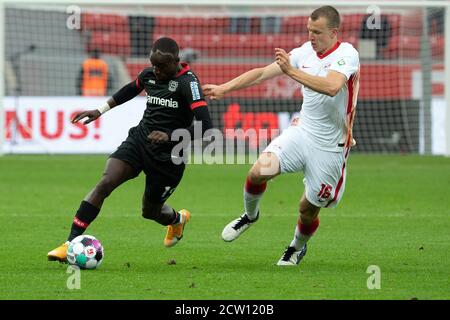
(326, 53)
(185, 69)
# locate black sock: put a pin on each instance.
(176, 217)
(84, 216)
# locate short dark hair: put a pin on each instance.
(166, 46)
(95, 53)
(328, 12)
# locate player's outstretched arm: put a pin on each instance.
(245, 80)
(91, 115)
(127, 92)
(329, 85)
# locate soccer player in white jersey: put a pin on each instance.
(318, 142)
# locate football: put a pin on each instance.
(86, 252)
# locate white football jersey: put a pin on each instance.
(328, 121)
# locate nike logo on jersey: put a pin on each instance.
(305, 67)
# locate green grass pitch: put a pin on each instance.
(395, 214)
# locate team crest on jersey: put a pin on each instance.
(173, 85)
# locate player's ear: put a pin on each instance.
(150, 57)
(334, 32)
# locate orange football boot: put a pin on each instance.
(59, 254)
(175, 231)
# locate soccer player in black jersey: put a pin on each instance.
(174, 98)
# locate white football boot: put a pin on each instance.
(236, 227)
(291, 256)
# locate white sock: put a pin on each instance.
(179, 218)
(251, 204)
(299, 239)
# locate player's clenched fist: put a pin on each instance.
(158, 137)
(282, 59)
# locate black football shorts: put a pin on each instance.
(162, 177)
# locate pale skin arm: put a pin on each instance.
(329, 85)
(245, 80)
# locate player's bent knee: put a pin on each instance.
(308, 217)
(267, 167)
(308, 212)
(254, 175)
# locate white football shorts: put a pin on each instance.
(324, 171)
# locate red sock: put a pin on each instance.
(308, 230)
(254, 188)
(252, 195)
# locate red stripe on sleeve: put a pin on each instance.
(350, 87)
(198, 104)
(137, 83)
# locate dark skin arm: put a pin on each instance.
(126, 93)
(92, 115)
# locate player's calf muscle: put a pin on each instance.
(159, 213)
(104, 188)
